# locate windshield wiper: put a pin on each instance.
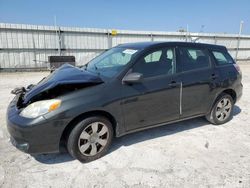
(98, 73)
(95, 67)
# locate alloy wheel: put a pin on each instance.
(223, 109)
(93, 139)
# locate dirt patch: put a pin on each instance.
(187, 154)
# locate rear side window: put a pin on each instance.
(222, 58)
(192, 59)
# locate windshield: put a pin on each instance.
(111, 62)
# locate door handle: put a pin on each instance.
(173, 84)
(214, 76)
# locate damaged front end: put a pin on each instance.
(65, 79)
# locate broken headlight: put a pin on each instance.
(40, 108)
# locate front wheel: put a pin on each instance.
(222, 110)
(90, 139)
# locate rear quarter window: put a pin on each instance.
(222, 58)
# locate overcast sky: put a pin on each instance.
(160, 15)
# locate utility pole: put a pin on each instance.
(238, 43)
(187, 33)
(241, 26)
(58, 36)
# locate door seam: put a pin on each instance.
(181, 98)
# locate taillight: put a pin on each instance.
(237, 67)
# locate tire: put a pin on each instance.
(222, 110)
(90, 139)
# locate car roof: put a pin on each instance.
(144, 45)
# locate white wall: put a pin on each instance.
(28, 46)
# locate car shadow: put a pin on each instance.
(164, 130)
(137, 137)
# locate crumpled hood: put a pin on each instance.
(66, 74)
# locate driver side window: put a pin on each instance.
(156, 63)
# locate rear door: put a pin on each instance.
(197, 79)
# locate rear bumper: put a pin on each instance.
(34, 136)
(239, 91)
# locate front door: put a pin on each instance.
(156, 98)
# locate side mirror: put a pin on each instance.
(133, 77)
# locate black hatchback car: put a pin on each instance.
(128, 88)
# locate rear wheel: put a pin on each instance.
(222, 110)
(90, 139)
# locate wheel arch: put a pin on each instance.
(229, 91)
(78, 118)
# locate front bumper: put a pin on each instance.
(34, 136)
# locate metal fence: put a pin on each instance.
(28, 46)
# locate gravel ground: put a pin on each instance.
(192, 153)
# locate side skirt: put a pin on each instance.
(158, 125)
